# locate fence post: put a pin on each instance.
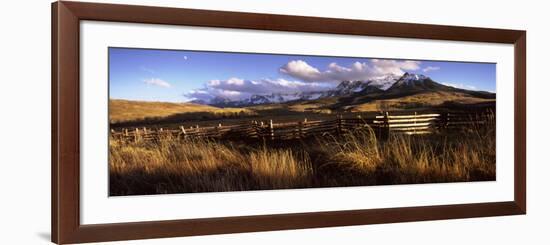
(302, 128)
(414, 122)
(218, 130)
(113, 133)
(446, 119)
(271, 132)
(136, 135)
(144, 133)
(183, 132)
(261, 133)
(386, 129)
(255, 128)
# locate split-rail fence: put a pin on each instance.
(383, 125)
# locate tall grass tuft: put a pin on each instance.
(278, 169)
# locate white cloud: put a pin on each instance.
(300, 69)
(384, 67)
(207, 94)
(309, 79)
(238, 89)
(157, 82)
(431, 68)
(460, 85)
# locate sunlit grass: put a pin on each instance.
(172, 165)
(126, 110)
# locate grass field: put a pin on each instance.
(173, 165)
(127, 111)
(128, 114)
(418, 101)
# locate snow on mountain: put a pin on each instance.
(388, 83)
(408, 78)
(347, 87)
(311, 95)
(384, 82)
(273, 98)
(416, 82)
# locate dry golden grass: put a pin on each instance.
(430, 99)
(417, 159)
(126, 110)
(315, 106)
(278, 169)
(171, 165)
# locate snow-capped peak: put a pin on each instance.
(345, 88)
(384, 82)
(409, 77)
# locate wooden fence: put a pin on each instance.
(383, 124)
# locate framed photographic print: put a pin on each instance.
(176, 122)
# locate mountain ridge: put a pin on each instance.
(352, 92)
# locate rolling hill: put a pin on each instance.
(127, 110)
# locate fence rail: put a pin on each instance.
(383, 124)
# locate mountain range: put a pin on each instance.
(353, 92)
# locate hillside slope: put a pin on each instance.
(127, 110)
(419, 101)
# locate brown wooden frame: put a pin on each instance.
(66, 227)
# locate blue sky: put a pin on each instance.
(178, 76)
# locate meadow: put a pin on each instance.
(357, 158)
